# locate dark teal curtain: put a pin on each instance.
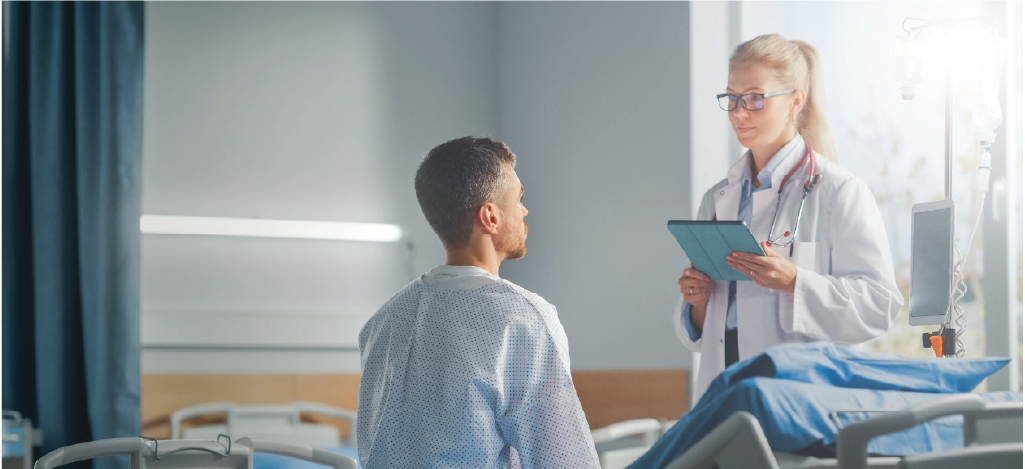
(72, 151)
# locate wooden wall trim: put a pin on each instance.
(607, 396)
(162, 394)
(610, 396)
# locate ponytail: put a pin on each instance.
(798, 66)
(812, 122)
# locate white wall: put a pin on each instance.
(594, 99)
(316, 111)
(322, 111)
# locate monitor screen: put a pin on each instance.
(932, 242)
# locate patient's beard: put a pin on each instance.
(518, 253)
(515, 249)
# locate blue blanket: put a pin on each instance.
(793, 389)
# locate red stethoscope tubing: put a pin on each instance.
(811, 170)
(808, 184)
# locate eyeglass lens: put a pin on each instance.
(751, 102)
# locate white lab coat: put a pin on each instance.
(845, 290)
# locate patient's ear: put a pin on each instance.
(488, 216)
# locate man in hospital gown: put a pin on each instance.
(462, 369)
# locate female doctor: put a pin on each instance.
(827, 273)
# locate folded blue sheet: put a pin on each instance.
(836, 365)
(793, 389)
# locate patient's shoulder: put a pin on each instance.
(402, 303)
(404, 297)
(526, 296)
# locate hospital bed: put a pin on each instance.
(222, 453)
(992, 439)
(623, 442)
(821, 405)
(276, 421)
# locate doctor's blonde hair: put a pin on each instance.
(798, 66)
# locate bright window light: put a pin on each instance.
(261, 228)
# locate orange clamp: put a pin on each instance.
(937, 345)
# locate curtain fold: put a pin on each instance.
(72, 154)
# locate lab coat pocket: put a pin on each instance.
(811, 256)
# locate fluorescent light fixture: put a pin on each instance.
(261, 228)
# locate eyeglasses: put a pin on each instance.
(750, 101)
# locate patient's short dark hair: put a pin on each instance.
(455, 179)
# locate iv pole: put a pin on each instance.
(947, 332)
(949, 121)
(953, 324)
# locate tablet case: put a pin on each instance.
(707, 243)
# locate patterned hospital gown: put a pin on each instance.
(462, 369)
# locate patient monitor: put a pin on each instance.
(932, 261)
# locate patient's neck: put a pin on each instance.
(475, 254)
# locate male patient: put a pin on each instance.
(462, 369)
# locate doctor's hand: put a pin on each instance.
(696, 287)
(770, 271)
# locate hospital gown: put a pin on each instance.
(462, 369)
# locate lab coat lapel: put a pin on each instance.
(726, 202)
(792, 158)
(728, 198)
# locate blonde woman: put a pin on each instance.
(827, 273)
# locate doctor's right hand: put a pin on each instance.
(696, 287)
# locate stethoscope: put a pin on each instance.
(808, 184)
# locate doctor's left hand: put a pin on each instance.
(770, 271)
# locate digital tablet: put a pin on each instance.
(707, 243)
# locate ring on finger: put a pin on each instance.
(691, 290)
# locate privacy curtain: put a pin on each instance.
(72, 150)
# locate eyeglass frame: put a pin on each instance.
(743, 103)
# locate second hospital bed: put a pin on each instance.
(280, 422)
